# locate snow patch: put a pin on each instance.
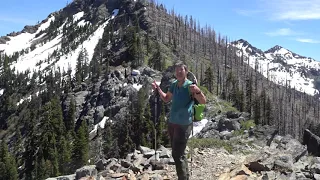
(78, 16)
(101, 124)
(71, 59)
(82, 23)
(30, 60)
(23, 40)
(137, 86)
(198, 126)
(1, 91)
(45, 25)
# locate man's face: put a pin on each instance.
(180, 73)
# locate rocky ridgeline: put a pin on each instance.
(142, 164)
(259, 153)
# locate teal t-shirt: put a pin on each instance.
(182, 104)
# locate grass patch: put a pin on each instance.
(227, 106)
(245, 125)
(210, 142)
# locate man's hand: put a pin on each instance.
(194, 88)
(155, 85)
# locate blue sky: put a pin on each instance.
(293, 24)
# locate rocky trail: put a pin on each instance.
(221, 151)
(285, 158)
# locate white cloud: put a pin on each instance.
(293, 9)
(306, 40)
(17, 20)
(285, 10)
(282, 32)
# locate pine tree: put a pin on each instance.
(79, 69)
(70, 118)
(208, 79)
(8, 168)
(249, 95)
(268, 109)
(108, 140)
(64, 150)
(256, 110)
(148, 127)
(80, 154)
(18, 146)
(160, 128)
(31, 145)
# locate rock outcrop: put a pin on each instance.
(312, 141)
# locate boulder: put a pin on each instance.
(86, 171)
(312, 141)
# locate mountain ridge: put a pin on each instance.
(281, 65)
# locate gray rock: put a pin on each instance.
(86, 171)
(269, 175)
(4, 39)
(110, 163)
(164, 152)
(125, 163)
(226, 135)
(227, 124)
(138, 159)
(284, 162)
(315, 168)
(257, 167)
(99, 114)
(300, 175)
(316, 176)
(100, 164)
(102, 12)
(148, 71)
(68, 177)
(119, 75)
(312, 141)
(157, 165)
(145, 149)
(233, 115)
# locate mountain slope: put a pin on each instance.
(282, 66)
(109, 52)
(47, 45)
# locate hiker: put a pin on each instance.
(180, 121)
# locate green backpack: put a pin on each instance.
(197, 108)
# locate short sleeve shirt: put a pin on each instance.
(181, 107)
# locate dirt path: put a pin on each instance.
(210, 163)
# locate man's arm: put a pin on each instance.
(200, 97)
(166, 97)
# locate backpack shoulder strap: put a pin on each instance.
(189, 83)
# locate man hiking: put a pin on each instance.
(181, 115)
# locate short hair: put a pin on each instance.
(181, 64)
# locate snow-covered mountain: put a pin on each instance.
(42, 46)
(282, 66)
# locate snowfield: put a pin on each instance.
(276, 72)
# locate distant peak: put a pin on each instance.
(244, 42)
(274, 49)
(241, 43)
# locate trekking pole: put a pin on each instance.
(191, 148)
(155, 124)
